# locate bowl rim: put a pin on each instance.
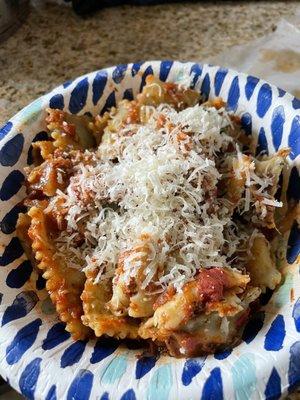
(66, 84)
(36, 106)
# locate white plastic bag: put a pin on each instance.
(274, 57)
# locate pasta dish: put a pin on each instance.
(153, 220)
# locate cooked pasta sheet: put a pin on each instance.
(154, 220)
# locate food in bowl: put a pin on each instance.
(154, 220)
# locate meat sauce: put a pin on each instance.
(210, 284)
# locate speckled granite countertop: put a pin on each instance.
(55, 45)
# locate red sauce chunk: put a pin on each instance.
(211, 284)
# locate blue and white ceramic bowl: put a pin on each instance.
(38, 357)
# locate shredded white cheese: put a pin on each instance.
(162, 191)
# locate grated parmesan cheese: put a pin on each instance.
(162, 191)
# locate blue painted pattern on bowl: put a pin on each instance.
(37, 355)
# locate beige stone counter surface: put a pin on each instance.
(55, 45)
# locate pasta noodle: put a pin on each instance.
(96, 315)
(64, 284)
